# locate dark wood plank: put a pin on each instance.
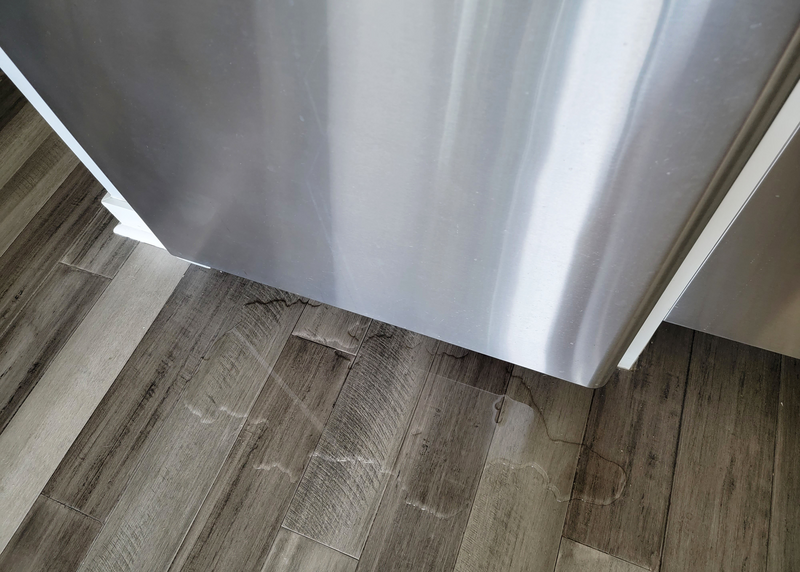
(294, 553)
(519, 509)
(243, 511)
(425, 507)
(32, 186)
(337, 498)
(721, 494)
(332, 327)
(634, 422)
(52, 538)
(465, 366)
(574, 557)
(44, 241)
(154, 513)
(40, 331)
(92, 475)
(50, 419)
(97, 249)
(11, 100)
(784, 531)
(19, 138)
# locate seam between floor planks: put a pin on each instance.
(222, 464)
(677, 448)
(21, 443)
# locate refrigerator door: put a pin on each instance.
(748, 290)
(511, 177)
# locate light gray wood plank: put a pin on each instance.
(52, 538)
(148, 524)
(29, 345)
(425, 507)
(721, 494)
(574, 557)
(32, 255)
(98, 249)
(634, 422)
(332, 327)
(294, 553)
(243, 511)
(519, 509)
(337, 498)
(93, 474)
(784, 531)
(52, 416)
(19, 138)
(465, 366)
(32, 186)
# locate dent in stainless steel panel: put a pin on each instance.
(508, 176)
(748, 289)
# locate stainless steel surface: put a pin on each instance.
(748, 289)
(508, 176)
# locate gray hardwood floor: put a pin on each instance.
(157, 418)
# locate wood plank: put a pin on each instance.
(332, 327)
(574, 557)
(784, 531)
(243, 511)
(29, 345)
(11, 100)
(32, 186)
(148, 524)
(44, 241)
(478, 370)
(721, 493)
(19, 138)
(52, 537)
(340, 492)
(634, 422)
(52, 416)
(425, 508)
(294, 553)
(97, 249)
(519, 509)
(93, 474)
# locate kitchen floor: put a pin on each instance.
(161, 416)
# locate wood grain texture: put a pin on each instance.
(243, 511)
(19, 138)
(52, 416)
(784, 531)
(337, 498)
(332, 327)
(11, 100)
(721, 493)
(95, 470)
(294, 553)
(146, 527)
(425, 507)
(32, 186)
(519, 509)
(52, 538)
(465, 366)
(574, 557)
(29, 345)
(634, 422)
(44, 241)
(97, 249)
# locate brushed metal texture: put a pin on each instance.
(507, 176)
(748, 289)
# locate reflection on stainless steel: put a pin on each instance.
(748, 290)
(508, 176)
